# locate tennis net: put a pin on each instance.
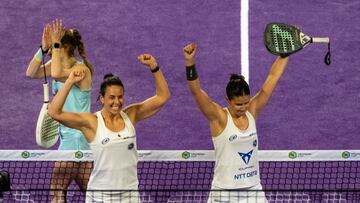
(185, 176)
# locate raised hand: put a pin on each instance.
(76, 76)
(189, 52)
(46, 38)
(147, 60)
(56, 31)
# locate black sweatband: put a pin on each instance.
(191, 73)
(155, 69)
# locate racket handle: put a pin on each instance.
(46, 93)
(321, 40)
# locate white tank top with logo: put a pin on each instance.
(236, 156)
(115, 157)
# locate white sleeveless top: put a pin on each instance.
(236, 156)
(115, 157)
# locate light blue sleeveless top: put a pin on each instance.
(76, 101)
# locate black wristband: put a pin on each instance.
(155, 69)
(43, 51)
(191, 73)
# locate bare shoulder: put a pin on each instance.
(91, 119)
(89, 116)
(81, 66)
(130, 110)
(222, 115)
(252, 107)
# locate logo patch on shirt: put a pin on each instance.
(105, 141)
(232, 137)
(130, 146)
(255, 143)
(246, 156)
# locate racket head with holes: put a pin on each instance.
(47, 129)
(284, 39)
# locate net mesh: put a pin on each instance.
(185, 176)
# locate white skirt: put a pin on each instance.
(243, 195)
(112, 197)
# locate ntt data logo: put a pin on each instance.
(185, 155)
(25, 154)
(345, 155)
(292, 155)
(79, 155)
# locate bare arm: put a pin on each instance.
(84, 122)
(35, 68)
(259, 101)
(56, 33)
(57, 71)
(211, 110)
(61, 74)
(152, 105)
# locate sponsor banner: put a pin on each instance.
(46, 155)
(309, 155)
(183, 155)
(86, 155)
(176, 155)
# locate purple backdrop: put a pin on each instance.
(314, 107)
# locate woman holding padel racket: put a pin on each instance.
(62, 44)
(233, 130)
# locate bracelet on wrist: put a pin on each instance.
(39, 55)
(155, 69)
(191, 73)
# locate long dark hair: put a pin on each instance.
(72, 40)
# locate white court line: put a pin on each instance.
(244, 38)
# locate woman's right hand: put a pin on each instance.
(46, 39)
(76, 76)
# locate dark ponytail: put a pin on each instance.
(72, 40)
(237, 86)
(109, 80)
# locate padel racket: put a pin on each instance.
(284, 39)
(47, 129)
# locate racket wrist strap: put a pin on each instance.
(327, 58)
(191, 73)
(44, 51)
